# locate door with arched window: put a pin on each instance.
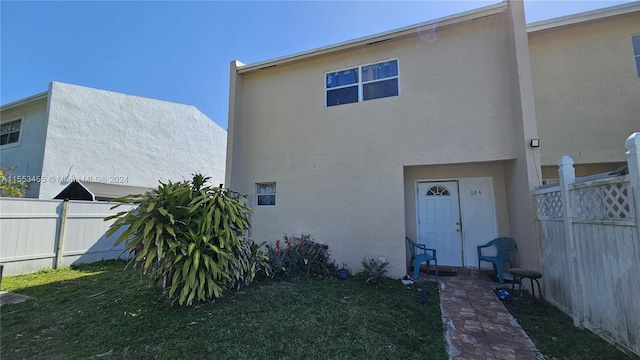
(439, 220)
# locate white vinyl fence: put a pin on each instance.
(591, 249)
(39, 234)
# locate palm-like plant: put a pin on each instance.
(375, 269)
(191, 238)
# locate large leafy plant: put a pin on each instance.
(191, 238)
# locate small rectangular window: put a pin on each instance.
(366, 82)
(342, 87)
(635, 41)
(10, 132)
(266, 194)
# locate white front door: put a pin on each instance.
(439, 220)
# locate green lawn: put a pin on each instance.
(557, 338)
(100, 311)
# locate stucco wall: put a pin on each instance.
(452, 88)
(339, 170)
(114, 137)
(550, 172)
(587, 91)
(25, 157)
(523, 173)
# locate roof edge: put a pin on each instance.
(89, 88)
(388, 35)
(584, 16)
(93, 196)
(25, 101)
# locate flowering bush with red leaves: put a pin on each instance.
(300, 256)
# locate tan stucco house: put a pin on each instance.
(422, 131)
(586, 80)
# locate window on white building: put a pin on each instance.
(10, 132)
(266, 194)
(635, 41)
(362, 83)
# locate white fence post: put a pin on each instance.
(592, 256)
(633, 161)
(567, 178)
(34, 236)
(61, 233)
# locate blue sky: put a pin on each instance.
(180, 51)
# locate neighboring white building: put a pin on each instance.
(94, 135)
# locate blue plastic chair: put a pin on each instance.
(420, 254)
(504, 245)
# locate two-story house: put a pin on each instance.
(423, 131)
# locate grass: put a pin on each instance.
(99, 310)
(556, 337)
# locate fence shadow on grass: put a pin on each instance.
(555, 335)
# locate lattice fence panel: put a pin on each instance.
(605, 202)
(549, 205)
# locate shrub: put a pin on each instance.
(253, 261)
(300, 256)
(190, 238)
(10, 185)
(374, 269)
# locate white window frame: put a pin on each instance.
(17, 143)
(258, 194)
(357, 84)
(360, 82)
(636, 58)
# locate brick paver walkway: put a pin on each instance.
(477, 325)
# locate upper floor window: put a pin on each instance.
(366, 82)
(10, 132)
(635, 40)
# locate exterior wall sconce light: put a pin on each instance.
(535, 143)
